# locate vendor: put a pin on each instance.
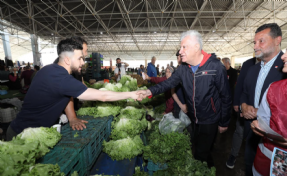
(14, 80)
(168, 98)
(52, 89)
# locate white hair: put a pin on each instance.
(193, 33)
(153, 57)
(226, 59)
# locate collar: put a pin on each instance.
(270, 63)
(205, 58)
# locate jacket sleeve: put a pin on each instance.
(168, 84)
(239, 84)
(157, 79)
(149, 71)
(245, 90)
(222, 85)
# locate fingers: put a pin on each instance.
(84, 121)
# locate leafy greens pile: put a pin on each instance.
(126, 148)
(18, 157)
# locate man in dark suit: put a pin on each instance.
(238, 133)
(267, 42)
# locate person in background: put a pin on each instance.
(169, 102)
(52, 89)
(167, 65)
(26, 75)
(238, 133)
(14, 80)
(273, 112)
(239, 69)
(140, 70)
(267, 42)
(231, 74)
(178, 95)
(151, 70)
(162, 73)
(208, 99)
(120, 70)
(171, 64)
(4, 75)
(157, 69)
(36, 69)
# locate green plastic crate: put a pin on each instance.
(68, 160)
(89, 141)
(152, 167)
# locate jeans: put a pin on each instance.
(238, 135)
(203, 137)
(251, 144)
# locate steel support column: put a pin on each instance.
(6, 44)
(35, 50)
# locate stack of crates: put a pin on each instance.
(95, 62)
(78, 150)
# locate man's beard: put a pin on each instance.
(75, 71)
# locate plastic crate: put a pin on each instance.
(68, 160)
(152, 167)
(89, 141)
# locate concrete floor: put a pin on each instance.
(221, 152)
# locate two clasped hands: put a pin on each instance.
(140, 94)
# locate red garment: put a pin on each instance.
(276, 97)
(12, 78)
(168, 98)
(27, 77)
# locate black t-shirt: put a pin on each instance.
(47, 97)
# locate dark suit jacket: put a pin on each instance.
(275, 74)
(239, 85)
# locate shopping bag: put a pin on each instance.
(184, 118)
(170, 124)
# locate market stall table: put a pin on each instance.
(12, 94)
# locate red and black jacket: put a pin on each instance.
(207, 90)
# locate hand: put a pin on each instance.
(137, 96)
(147, 77)
(145, 93)
(255, 125)
(222, 129)
(249, 112)
(184, 108)
(236, 108)
(78, 124)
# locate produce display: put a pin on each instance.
(18, 157)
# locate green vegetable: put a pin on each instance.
(97, 85)
(76, 135)
(87, 111)
(160, 109)
(46, 170)
(46, 136)
(4, 87)
(133, 113)
(106, 109)
(138, 172)
(127, 128)
(75, 173)
(124, 148)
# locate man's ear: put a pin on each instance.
(67, 60)
(278, 40)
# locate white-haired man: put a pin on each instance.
(206, 88)
(231, 74)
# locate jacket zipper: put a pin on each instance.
(196, 120)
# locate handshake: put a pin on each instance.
(140, 94)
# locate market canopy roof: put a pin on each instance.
(139, 29)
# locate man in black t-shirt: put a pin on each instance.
(51, 91)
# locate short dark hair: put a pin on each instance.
(118, 59)
(275, 30)
(36, 67)
(68, 45)
(79, 40)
